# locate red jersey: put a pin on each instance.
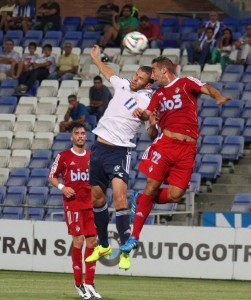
(74, 168)
(153, 30)
(176, 105)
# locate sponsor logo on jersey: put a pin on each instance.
(116, 168)
(160, 94)
(84, 176)
(72, 163)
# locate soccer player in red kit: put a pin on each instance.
(171, 157)
(73, 165)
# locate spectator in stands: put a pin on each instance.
(225, 46)
(8, 60)
(124, 25)
(67, 65)
(76, 113)
(6, 12)
(22, 17)
(200, 52)
(212, 23)
(135, 10)
(49, 17)
(99, 96)
(243, 48)
(41, 68)
(152, 31)
(104, 16)
(25, 64)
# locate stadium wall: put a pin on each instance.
(85, 8)
(173, 251)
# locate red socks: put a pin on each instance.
(77, 266)
(76, 255)
(89, 267)
(161, 197)
(145, 204)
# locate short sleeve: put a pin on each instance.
(195, 84)
(118, 82)
(75, 60)
(154, 103)
(56, 167)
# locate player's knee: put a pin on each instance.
(175, 195)
(91, 242)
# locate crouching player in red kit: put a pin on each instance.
(73, 165)
(171, 157)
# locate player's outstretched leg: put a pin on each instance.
(132, 243)
(92, 290)
(98, 252)
(83, 292)
(134, 206)
(124, 261)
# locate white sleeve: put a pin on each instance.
(118, 82)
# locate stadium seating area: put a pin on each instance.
(29, 123)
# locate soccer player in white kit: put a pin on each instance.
(111, 156)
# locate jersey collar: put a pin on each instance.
(82, 154)
(173, 82)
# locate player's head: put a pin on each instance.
(163, 71)
(142, 79)
(78, 135)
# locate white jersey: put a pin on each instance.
(117, 125)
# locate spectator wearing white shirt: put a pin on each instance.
(8, 60)
(41, 68)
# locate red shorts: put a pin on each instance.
(80, 222)
(169, 160)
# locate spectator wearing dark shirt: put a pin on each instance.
(48, 17)
(76, 113)
(104, 16)
(99, 96)
(152, 31)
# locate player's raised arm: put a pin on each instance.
(143, 115)
(103, 68)
(214, 93)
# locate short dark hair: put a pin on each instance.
(32, 44)
(9, 40)
(163, 61)
(99, 78)
(72, 96)
(144, 19)
(127, 6)
(49, 46)
(76, 125)
(209, 28)
(147, 70)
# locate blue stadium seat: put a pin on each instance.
(241, 203)
(232, 73)
(89, 39)
(246, 94)
(1, 37)
(36, 213)
(8, 104)
(7, 87)
(55, 214)
(37, 195)
(139, 184)
(170, 25)
(15, 35)
(195, 183)
(232, 23)
(92, 119)
(143, 142)
(199, 142)
(189, 25)
(246, 112)
(13, 213)
(233, 89)
(2, 193)
(232, 147)
(18, 177)
(109, 197)
(210, 109)
(38, 177)
(73, 37)
(171, 39)
(189, 37)
(40, 159)
(55, 197)
(210, 166)
(211, 144)
(218, 85)
(71, 23)
(211, 126)
(62, 141)
(232, 109)
(243, 25)
(133, 158)
(35, 36)
(90, 140)
(246, 78)
(132, 176)
(52, 37)
(15, 195)
(233, 126)
(88, 21)
(247, 131)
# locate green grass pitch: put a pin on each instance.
(52, 286)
